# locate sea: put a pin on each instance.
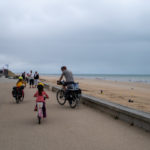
(114, 77)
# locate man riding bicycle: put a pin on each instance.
(68, 76)
(70, 91)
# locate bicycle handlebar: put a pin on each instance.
(45, 97)
(60, 82)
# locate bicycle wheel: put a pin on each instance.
(78, 100)
(39, 119)
(17, 99)
(73, 100)
(61, 97)
(22, 98)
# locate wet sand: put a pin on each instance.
(117, 92)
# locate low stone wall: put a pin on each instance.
(129, 115)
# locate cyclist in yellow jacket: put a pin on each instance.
(19, 87)
(20, 82)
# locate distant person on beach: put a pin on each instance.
(68, 76)
(27, 78)
(31, 79)
(24, 75)
(36, 78)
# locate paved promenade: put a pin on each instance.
(64, 129)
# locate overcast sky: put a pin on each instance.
(98, 36)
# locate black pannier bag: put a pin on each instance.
(14, 91)
(78, 91)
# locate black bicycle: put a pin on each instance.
(72, 94)
(18, 94)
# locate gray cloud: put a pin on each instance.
(90, 37)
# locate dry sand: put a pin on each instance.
(64, 129)
(117, 92)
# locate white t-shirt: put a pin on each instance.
(31, 76)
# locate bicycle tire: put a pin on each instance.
(73, 103)
(78, 97)
(22, 98)
(39, 120)
(61, 97)
(17, 99)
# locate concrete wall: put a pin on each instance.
(129, 115)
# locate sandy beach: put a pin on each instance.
(114, 91)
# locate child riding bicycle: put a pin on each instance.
(40, 97)
(19, 87)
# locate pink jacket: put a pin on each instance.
(39, 97)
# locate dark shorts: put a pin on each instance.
(68, 83)
(31, 81)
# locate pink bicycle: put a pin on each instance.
(39, 111)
